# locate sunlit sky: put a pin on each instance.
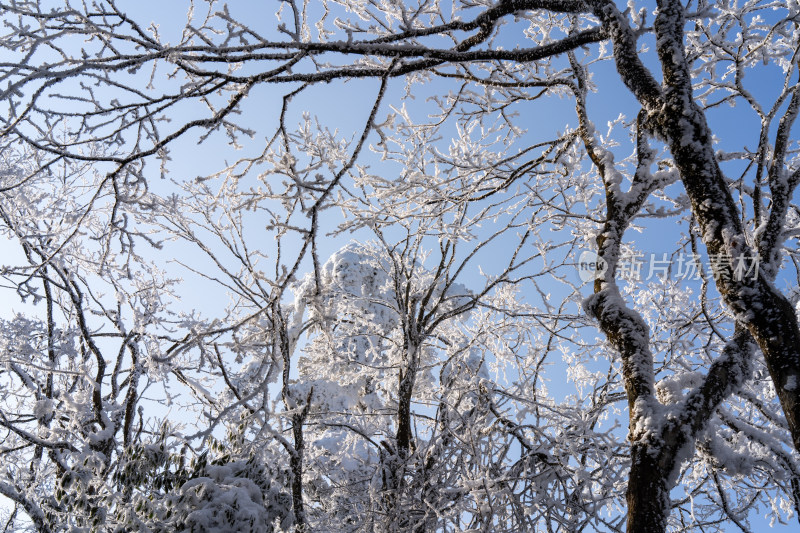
(341, 106)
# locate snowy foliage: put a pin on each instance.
(323, 274)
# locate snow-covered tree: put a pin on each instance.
(74, 373)
(454, 374)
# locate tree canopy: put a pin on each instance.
(465, 265)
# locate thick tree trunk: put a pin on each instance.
(648, 493)
(405, 392)
(765, 312)
(296, 466)
(395, 463)
(758, 305)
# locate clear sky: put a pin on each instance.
(341, 106)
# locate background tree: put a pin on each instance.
(74, 376)
(440, 404)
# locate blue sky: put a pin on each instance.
(341, 106)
